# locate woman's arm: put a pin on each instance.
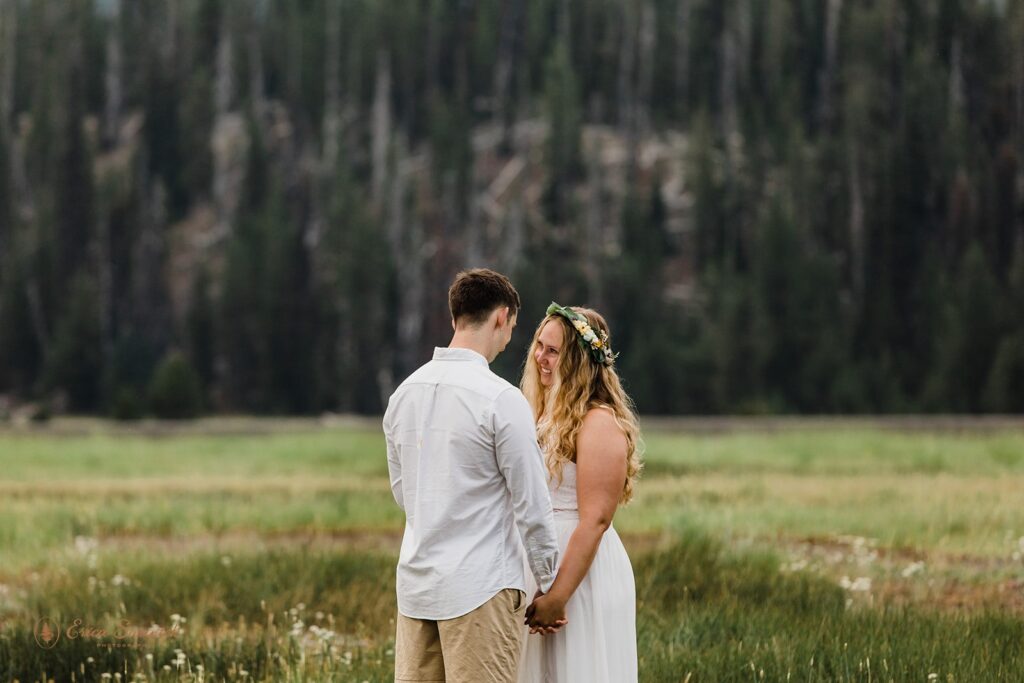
(600, 475)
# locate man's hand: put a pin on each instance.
(546, 614)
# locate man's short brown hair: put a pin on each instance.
(477, 292)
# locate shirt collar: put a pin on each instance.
(443, 353)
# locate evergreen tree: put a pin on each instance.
(969, 338)
(175, 392)
(564, 136)
(838, 228)
(74, 364)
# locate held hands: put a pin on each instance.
(546, 614)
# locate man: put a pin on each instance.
(466, 469)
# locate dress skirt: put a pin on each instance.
(598, 645)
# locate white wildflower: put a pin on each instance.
(795, 565)
(912, 569)
(85, 545)
(861, 584)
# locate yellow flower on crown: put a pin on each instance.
(596, 344)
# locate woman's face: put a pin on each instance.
(546, 350)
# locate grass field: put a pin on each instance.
(265, 550)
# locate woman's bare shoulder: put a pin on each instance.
(600, 423)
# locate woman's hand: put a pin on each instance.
(546, 614)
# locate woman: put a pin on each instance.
(589, 434)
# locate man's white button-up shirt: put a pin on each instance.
(466, 469)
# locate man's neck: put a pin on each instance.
(467, 339)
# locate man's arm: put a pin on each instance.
(520, 461)
(394, 461)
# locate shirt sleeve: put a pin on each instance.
(394, 461)
(521, 463)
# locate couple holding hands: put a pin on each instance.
(510, 492)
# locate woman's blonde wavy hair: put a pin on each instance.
(579, 385)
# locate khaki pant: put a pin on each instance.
(481, 646)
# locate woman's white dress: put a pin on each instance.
(598, 645)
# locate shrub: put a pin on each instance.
(175, 392)
(127, 404)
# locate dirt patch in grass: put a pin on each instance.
(953, 596)
(896, 577)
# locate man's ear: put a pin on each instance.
(456, 329)
(502, 318)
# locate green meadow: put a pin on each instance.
(249, 550)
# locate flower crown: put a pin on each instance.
(596, 344)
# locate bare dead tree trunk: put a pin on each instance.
(37, 314)
(857, 237)
(254, 48)
(331, 128)
(222, 158)
(508, 56)
(956, 78)
(407, 246)
(351, 108)
(396, 208)
(477, 231)
(563, 25)
(1019, 40)
(826, 77)
(682, 60)
(24, 201)
(169, 44)
(224, 85)
(381, 134)
(743, 30)
(627, 52)
(464, 166)
(645, 72)
(105, 279)
(433, 50)
(25, 209)
(728, 121)
(512, 237)
(148, 256)
(293, 62)
(8, 56)
(1019, 80)
(112, 78)
(593, 239)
